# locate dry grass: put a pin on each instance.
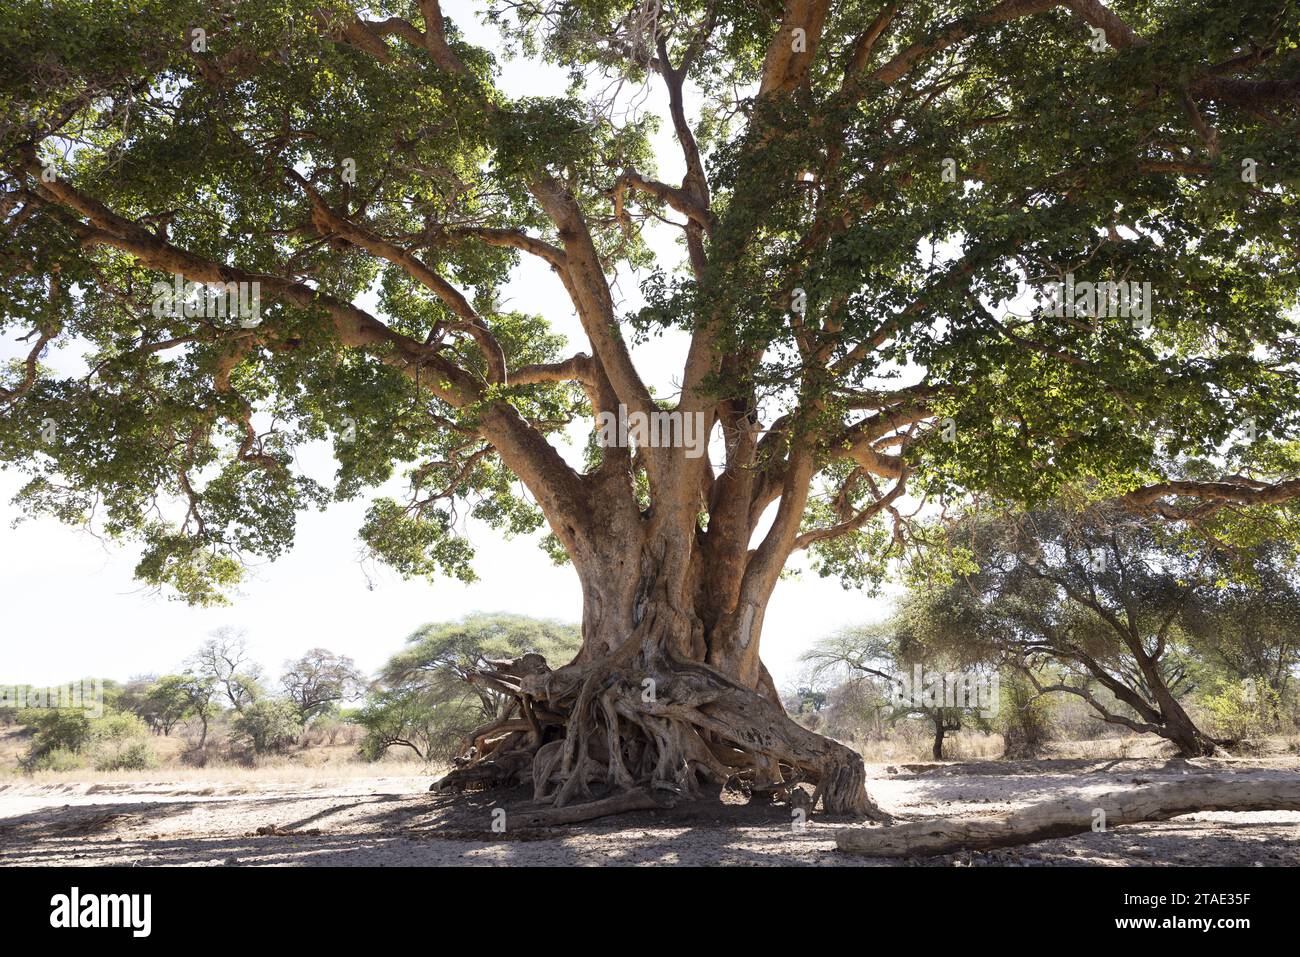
(339, 762)
(269, 772)
(962, 746)
(311, 765)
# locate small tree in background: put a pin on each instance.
(266, 726)
(204, 704)
(223, 659)
(319, 680)
(1238, 709)
(53, 730)
(412, 717)
(166, 703)
(1024, 718)
(422, 694)
(132, 698)
(890, 654)
(1076, 599)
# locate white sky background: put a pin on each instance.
(71, 607)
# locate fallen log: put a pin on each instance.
(1075, 815)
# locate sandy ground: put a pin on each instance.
(394, 821)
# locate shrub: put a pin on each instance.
(117, 727)
(266, 727)
(1024, 718)
(134, 756)
(59, 759)
(53, 729)
(119, 742)
(1242, 709)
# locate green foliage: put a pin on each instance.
(422, 700)
(456, 646)
(119, 742)
(1024, 717)
(116, 726)
(57, 760)
(266, 726)
(417, 542)
(183, 434)
(64, 738)
(54, 729)
(415, 717)
(168, 701)
(1240, 709)
(133, 756)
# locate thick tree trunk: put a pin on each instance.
(937, 750)
(1175, 724)
(656, 704)
(1181, 730)
(1078, 815)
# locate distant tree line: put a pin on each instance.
(419, 703)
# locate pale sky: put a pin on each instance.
(72, 608)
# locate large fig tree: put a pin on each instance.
(865, 187)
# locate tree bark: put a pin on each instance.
(1076, 815)
(1180, 729)
(650, 706)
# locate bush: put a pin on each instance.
(1024, 718)
(119, 742)
(134, 756)
(59, 759)
(53, 729)
(266, 727)
(1241, 709)
(57, 728)
(117, 727)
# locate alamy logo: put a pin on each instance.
(1097, 300)
(103, 910)
(654, 430)
(951, 689)
(215, 300)
(86, 695)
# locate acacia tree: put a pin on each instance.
(318, 680)
(922, 671)
(442, 659)
(167, 702)
(426, 698)
(863, 186)
(1078, 601)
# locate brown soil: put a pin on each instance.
(395, 821)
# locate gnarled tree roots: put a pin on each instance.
(640, 729)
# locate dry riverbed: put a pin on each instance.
(243, 820)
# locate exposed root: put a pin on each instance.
(640, 729)
(620, 803)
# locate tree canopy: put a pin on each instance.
(841, 294)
